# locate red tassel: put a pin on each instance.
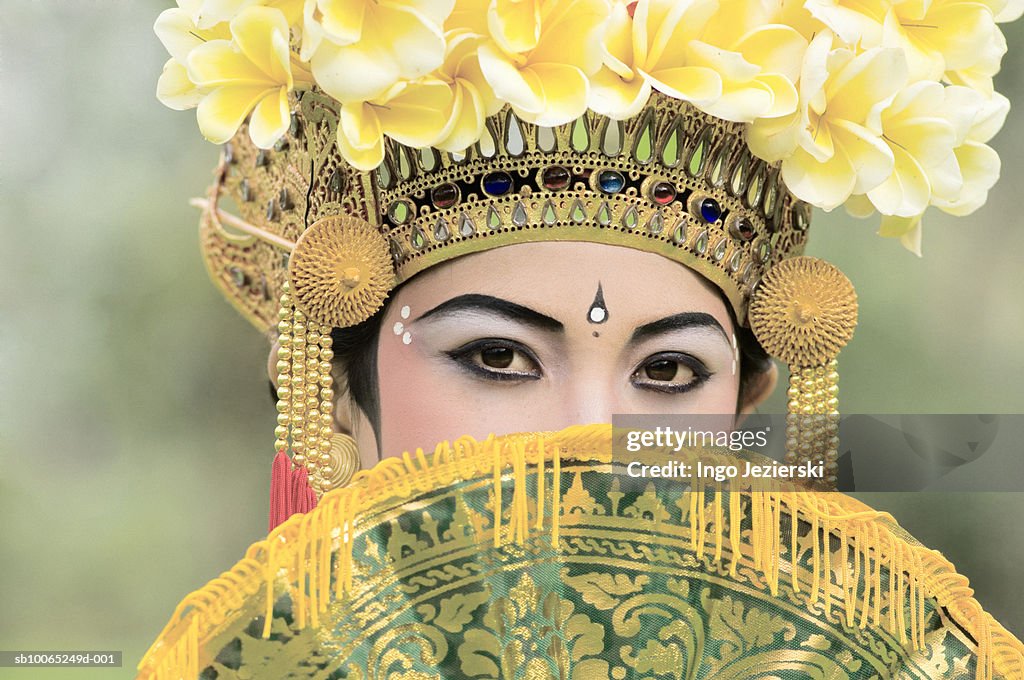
(280, 489)
(302, 492)
(289, 491)
(300, 482)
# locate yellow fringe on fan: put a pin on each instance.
(540, 485)
(299, 553)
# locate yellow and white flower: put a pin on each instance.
(962, 181)
(179, 32)
(979, 164)
(906, 229)
(540, 54)
(921, 141)
(1005, 11)
(978, 75)
(470, 16)
(652, 50)
(416, 114)
(938, 36)
(729, 58)
(473, 98)
(250, 74)
(210, 12)
(359, 49)
(829, 147)
(758, 57)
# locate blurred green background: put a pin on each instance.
(135, 422)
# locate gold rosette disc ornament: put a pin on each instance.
(804, 311)
(344, 461)
(341, 271)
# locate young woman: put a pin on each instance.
(513, 221)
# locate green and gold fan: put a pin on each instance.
(536, 556)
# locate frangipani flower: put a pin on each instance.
(416, 114)
(651, 49)
(359, 49)
(827, 148)
(1006, 10)
(978, 75)
(191, 10)
(208, 13)
(177, 30)
(758, 57)
(971, 169)
(469, 15)
(473, 99)
(938, 36)
(252, 73)
(540, 55)
(979, 164)
(921, 141)
(906, 229)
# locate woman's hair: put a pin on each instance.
(355, 362)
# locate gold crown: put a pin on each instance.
(671, 180)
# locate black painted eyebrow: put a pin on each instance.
(487, 304)
(677, 322)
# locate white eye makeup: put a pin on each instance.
(735, 353)
(498, 359)
(496, 340)
(677, 352)
(670, 373)
(474, 334)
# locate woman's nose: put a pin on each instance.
(590, 400)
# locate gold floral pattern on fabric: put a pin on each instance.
(638, 579)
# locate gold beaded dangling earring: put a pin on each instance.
(339, 456)
(804, 312)
(305, 403)
(306, 398)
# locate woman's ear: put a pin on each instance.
(759, 388)
(350, 419)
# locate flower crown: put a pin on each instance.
(879, 106)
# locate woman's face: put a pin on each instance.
(540, 336)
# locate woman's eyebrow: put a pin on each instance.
(677, 322)
(487, 304)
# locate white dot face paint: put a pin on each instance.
(405, 312)
(406, 338)
(735, 354)
(597, 315)
(399, 328)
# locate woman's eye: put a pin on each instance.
(670, 372)
(497, 357)
(498, 360)
(662, 369)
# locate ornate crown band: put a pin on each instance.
(671, 180)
